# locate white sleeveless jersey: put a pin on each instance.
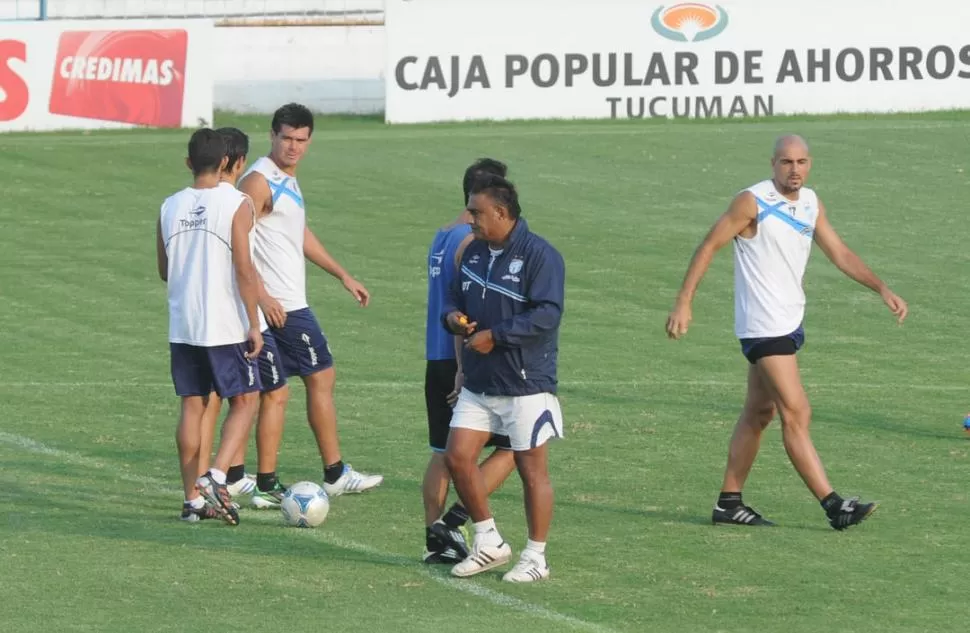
(204, 306)
(279, 238)
(768, 268)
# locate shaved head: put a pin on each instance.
(790, 164)
(790, 141)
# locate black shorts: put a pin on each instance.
(757, 348)
(439, 381)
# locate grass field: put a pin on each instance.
(89, 536)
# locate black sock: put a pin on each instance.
(235, 473)
(832, 503)
(430, 540)
(729, 500)
(455, 517)
(332, 472)
(266, 481)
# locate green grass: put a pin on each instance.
(89, 536)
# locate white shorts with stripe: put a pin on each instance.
(528, 421)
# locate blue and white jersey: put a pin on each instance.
(442, 270)
(279, 238)
(768, 268)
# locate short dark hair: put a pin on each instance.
(293, 114)
(482, 166)
(206, 151)
(500, 190)
(237, 145)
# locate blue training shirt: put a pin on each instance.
(442, 271)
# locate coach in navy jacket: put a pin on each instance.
(507, 303)
(516, 301)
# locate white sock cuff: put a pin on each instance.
(485, 526)
(218, 476)
(536, 546)
(198, 503)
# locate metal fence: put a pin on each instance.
(226, 12)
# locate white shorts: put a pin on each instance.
(528, 421)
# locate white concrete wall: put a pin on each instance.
(331, 69)
(59, 9)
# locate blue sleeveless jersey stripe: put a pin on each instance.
(439, 344)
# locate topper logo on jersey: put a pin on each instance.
(689, 21)
(128, 76)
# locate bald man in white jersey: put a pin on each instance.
(204, 256)
(772, 225)
(295, 343)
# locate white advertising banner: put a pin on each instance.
(546, 59)
(96, 74)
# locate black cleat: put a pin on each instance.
(446, 556)
(452, 539)
(850, 513)
(741, 515)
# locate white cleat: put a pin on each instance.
(243, 487)
(352, 481)
(483, 558)
(530, 568)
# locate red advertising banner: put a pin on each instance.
(131, 76)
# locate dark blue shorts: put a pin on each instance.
(756, 348)
(270, 364)
(301, 348)
(198, 371)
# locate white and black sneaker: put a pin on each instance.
(740, 515)
(530, 568)
(482, 558)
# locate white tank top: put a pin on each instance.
(204, 306)
(768, 268)
(279, 238)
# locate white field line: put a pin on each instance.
(463, 585)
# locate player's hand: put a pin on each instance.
(459, 323)
(459, 383)
(273, 309)
(255, 339)
(357, 289)
(678, 321)
(895, 304)
(481, 342)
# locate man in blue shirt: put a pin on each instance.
(444, 542)
(508, 302)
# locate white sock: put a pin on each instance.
(486, 534)
(196, 504)
(218, 476)
(536, 547)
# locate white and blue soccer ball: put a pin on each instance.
(305, 504)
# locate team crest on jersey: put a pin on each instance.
(515, 266)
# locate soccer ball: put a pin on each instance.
(305, 504)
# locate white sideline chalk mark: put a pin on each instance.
(466, 586)
(77, 459)
(469, 587)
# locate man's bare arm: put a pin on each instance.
(160, 255)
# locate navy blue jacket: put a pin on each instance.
(521, 302)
